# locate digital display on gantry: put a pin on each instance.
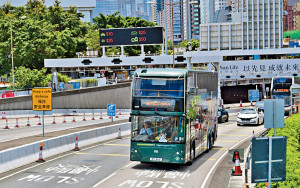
(131, 36)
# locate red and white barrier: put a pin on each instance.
(76, 148)
(3, 115)
(53, 122)
(39, 122)
(120, 112)
(101, 115)
(40, 160)
(73, 118)
(64, 121)
(93, 117)
(241, 103)
(28, 123)
(17, 123)
(6, 125)
(83, 117)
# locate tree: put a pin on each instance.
(47, 32)
(194, 43)
(117, 21)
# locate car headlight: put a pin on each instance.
(238, 119)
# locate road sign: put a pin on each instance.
(111, 110)
(131, 36)
(42, 99)
(61, 85)
(253, 95)
(274, 113)
(260, 159)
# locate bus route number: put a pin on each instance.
(142, 39)
(109, 40)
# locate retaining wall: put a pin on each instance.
(87, 98)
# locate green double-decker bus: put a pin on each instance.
(173, 114)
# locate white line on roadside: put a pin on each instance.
(129, 165)
(55, 159)
(221, 158)
(104, 179)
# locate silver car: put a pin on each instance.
(250, 116)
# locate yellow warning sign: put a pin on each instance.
(42, 99)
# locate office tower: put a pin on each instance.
(296, 17)
(207, 11)
(220, 4)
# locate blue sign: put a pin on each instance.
(260, 159)
(253, 95)
(111, 109)
(61, 85)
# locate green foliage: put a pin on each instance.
(195, 44)
(47, 32)
(292, 131)
(293, 34)
(35, 78)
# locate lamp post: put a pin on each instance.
(12, 51)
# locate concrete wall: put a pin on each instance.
(88, 98)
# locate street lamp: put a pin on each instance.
(12, 51)
(172, 14)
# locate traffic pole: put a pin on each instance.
(28, 124)
(93, 117)
(101, 115)
(83, 117)
(119, 134)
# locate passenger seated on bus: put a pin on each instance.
(146, 130)
(170, 130)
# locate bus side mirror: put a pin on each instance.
(129, 119)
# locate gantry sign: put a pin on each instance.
(131, 36)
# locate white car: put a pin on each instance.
(250, 116)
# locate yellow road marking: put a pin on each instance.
(226, 141)
(233, 134)
(116, 144)
(120, 155)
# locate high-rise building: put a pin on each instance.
(255, 25)
(288, 25)
(220, 4)
(133, 8)
(195, 19)
(207, 11)
(296, 16)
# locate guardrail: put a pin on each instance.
(19, 156)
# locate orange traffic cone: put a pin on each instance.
(84, 117)
(28, 124)
(17, 123)
(119, 134)
(64, 119)
(120, 112)
(93, 117)
(76, 148)
(117, 116)
(241, 103)
(39, 122)
(109, 117)
(53, 122)
(40, 160)
(237, 168)
(73, 118)
(253, 135)
(101, 115)
(6, 126)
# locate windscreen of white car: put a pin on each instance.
(248, 111)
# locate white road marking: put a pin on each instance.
(104, 179)
(129, 164)
(221, 158)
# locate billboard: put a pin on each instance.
(131, 36)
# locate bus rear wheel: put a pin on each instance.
(192, 155)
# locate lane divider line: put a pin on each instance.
(104, 179)
(116, 144)
(233, 134)
(226, 141)
(221, 158)
(122, 155)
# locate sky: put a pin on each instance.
(292, 2)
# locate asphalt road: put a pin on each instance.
(107, 165)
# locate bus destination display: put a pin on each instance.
(131, 36)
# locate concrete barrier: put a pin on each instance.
(19, 156)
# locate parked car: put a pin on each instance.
(260, 105)
(250, 116)
(222, 115)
